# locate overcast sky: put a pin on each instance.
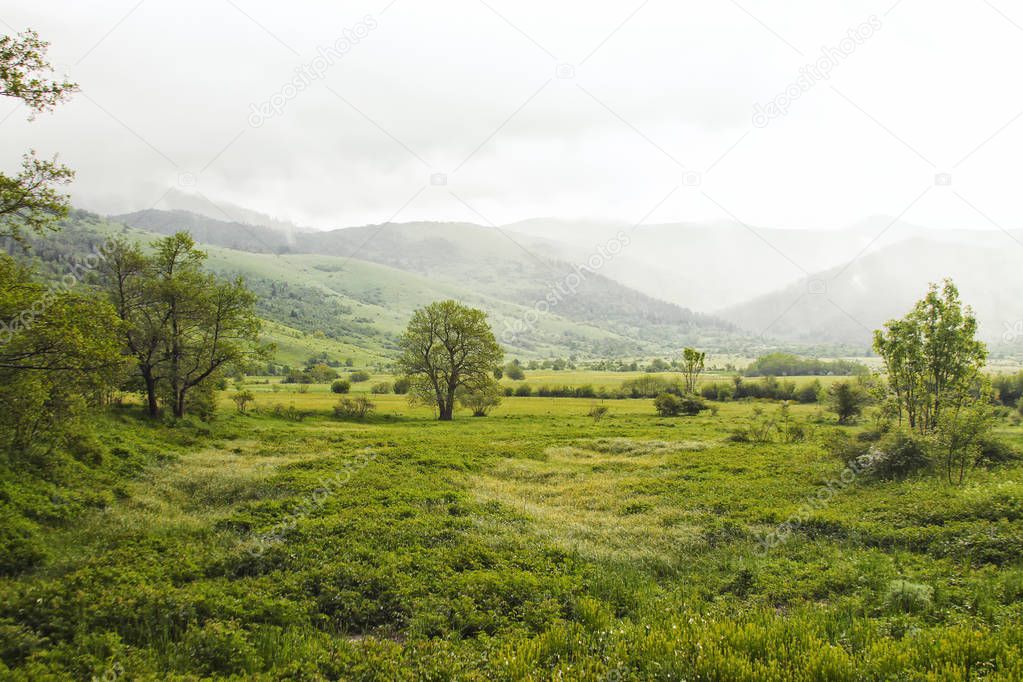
(525, 109)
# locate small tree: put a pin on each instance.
(447, 347)
(932, 357)
(480, 400)
(847, 400)
(692, 367)
(353, 408)
(513, 370)
(242, 400)
(340, 386)
(401, 385)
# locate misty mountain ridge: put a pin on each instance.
(754, 278)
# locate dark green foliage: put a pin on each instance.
(401, 386)
(787, 364)
(358, 376)
(340, 386)
(766, 388)
(353, 408)
(847, 399)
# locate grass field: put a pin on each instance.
(534, 543)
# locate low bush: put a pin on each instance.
(381, 388)
(671, 405)
(353, 408)
(340, 386)
(358, 376)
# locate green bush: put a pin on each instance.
(401, 385)
(671, 405)
(219, 648)
(381, 388)
(906, 597)
(357, 408)
(900, 454)
(523, 391)
(358, 376)
(340, 386)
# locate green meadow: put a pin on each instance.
(535, 543)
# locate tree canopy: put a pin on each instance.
(447, 347)
(30, 200)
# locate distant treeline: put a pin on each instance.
(651, 386)
(788, 365)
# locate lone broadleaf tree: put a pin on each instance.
(932, 358)
(692, 366)
(448, 348)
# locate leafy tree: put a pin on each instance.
(29, 199)
(448, 346)
(58, 353)
(183, 326)
(480, 400)
(127, 278)
(692, 366)
(513, 370)
(960, 433)
(242, 400)
(847, 399)
(932, 358)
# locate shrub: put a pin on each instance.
(340, 386)
(779, 427)
(291, 413)
(219, 648)
(242, 399)
(847, 400)
(906, 597)
(381, 388)
(514, 371)
(900, 454)
(401, 385)
(482, 400)
(353, 408)
(597, 412)
(994, 451)
(524, 391)
(358, 376)
(651, 386)
(691, 404)
(668, 405)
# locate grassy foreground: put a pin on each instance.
(531, 544)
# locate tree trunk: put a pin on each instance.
(446, 413)
(179, 404)
(152, 406)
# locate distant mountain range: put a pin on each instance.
(539, 304)
(823, 287)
